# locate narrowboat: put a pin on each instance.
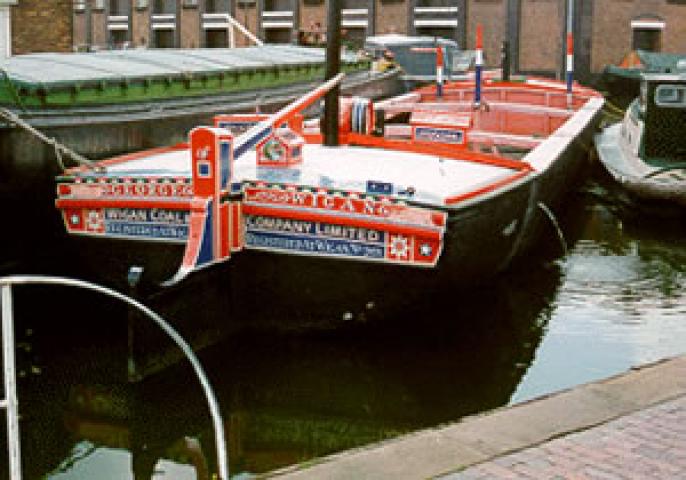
(450, 184)
(622, 80)
(645, 153)
(106, 103)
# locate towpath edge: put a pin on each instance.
(480, 438)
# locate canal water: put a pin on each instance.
(616, 300)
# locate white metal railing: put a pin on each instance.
(10, 401)
(226, 21)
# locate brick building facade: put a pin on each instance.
(604, 30)
(41, 26)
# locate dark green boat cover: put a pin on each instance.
(119, 76)
(651, 62)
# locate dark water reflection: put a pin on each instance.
(615, 301)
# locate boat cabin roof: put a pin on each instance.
(54, 69)
(657, 62)
(392, 39)
(679, 77)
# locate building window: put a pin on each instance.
(119, 7)
(164, 7)
(217, 6)
(79, 5)
(163, 39)
(673, 96)
(649, 40)
(217, 38)
(647, 34)
(141, 4)
(118, 39)
(99, 4)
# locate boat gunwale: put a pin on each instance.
(523, 167)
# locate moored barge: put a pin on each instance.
(428, 186)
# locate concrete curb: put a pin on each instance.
(479, 438)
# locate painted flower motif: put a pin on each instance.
(425, 250)
(399, 247)
(95, 221)
(273, 150)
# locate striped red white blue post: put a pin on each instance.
(439, 71)
(479, 65)
(570, 62)
(438, 50)
(257, 133)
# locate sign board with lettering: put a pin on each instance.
(441, 127)
(320, 223)
(138, 223)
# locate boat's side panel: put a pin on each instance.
(561, 167)
(646, 183)
(482, 238)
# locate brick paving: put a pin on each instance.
(648, 444)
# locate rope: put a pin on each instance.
(553, 220)
(60, 149)
(614, 108)
(58, 156)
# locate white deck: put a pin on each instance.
(342, 168)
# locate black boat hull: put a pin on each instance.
(482, 239)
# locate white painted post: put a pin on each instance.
(9, 373)
(245, 31)
(215, 414)
(232, 36)
(5, 31)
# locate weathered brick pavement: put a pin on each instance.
(629, 426)
(648, 444)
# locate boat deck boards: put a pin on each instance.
(345, 168)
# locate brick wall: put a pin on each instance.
(189, 25)
(615, 16)
(542, 25)
(140, 27)
(674, 35)
(42, 26)
(79, 29)
(311, 13)
(246, 15)
(100, 34)
(492, 15)
(391, 17)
